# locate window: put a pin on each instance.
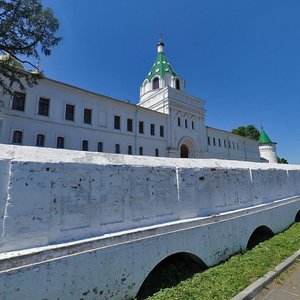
(229, 144)
(87, 116)
(214, 141)
(155, 83)
(156, 152)
(233, 146)
(141, 150)
(129, 149)
(18, 101)
(129, 125)
(178, 121)
(117, 122)
(224, 143)
(17, 137)
(40, 140)
(193, 125)
(219, 141)
(60, 142)
(161, 131)
(100, 147)
(152, 129)
(186, 123)
(85, 145)
(177, 84)
(208, 141)
(43, 107)
(70, 111)
(117, 148)
(141, 127)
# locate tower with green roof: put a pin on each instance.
(267, 148)
(160, 75)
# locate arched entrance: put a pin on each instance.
(184, 151)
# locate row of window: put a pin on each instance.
(43, 110)
(117, 125)
(225, 143)
(185, 123)
(17, 138)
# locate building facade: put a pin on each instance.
(165, 122)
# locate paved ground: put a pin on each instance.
(285, 287)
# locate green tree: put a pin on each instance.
(249, 131)
(27, 30)
(281, 160)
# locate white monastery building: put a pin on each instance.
(165, 122)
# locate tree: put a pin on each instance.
(27, 29)
(281, 160)
(249, 131)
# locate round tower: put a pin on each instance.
(161, 75)
(267, 148)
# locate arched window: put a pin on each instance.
(17, 137)
(40, 140)
(177, 84)
(155, 83)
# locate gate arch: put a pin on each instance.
(260, 234)
(186, 147)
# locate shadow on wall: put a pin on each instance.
(260, 234)
(169, 272)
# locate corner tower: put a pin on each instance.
(267, 148)
(161, 75)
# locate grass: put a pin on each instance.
(228, 279)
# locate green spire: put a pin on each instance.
(264, 139)
(161, 66)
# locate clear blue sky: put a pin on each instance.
(241, 57)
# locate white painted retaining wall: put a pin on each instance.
(50, 196)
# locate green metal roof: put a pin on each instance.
(264, 139)
(161, 67)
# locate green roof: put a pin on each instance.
(264, 139)
(161, 67)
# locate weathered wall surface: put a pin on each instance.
(126, 214)
(51, 196)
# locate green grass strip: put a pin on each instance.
(229, 278)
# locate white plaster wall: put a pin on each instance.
(60, 195)
(268, 152)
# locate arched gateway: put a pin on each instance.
(186, 148)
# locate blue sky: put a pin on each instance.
(241, 57)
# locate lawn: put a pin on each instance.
(229, 278)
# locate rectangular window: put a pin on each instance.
(229, 144)
(141, 127)
(85, 145)
(208, 140)
(141, 150)
(219, 142)
(161, 131)
(43, 107)
(193, 125)
(40, 140)
(156, 152)
(186, 123)
(129, 150)
(87, 116)
(100, 147)
(152, 129)
(70, 112)
(224, 143)
(117, 122)
(214, 141)
(60, 142)
(18, 101)
(117, 148)
(17, 137)
(178, 122)
(129, 125)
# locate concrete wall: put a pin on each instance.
(52, 196)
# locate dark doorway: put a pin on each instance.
(169, 272)
(184, 151)
(260, 234)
